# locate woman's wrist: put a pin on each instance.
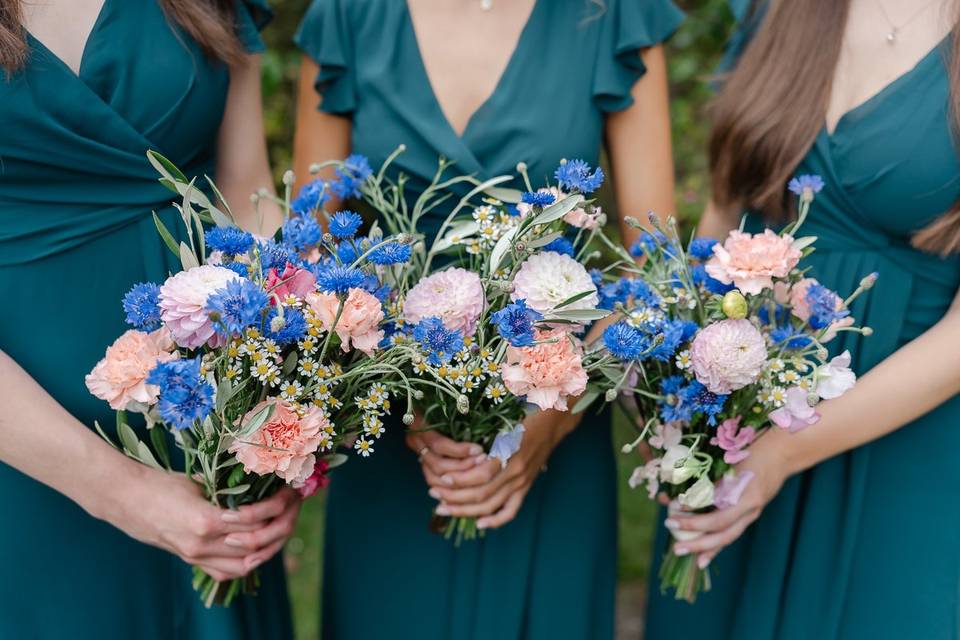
(115, 483)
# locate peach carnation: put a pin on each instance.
(453, 295)
(359, 322)
(751, 262)
(548, 373)
(121, 377)
(285, 444)
(728, 355)
(183, 302)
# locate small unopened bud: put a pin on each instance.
(822, 353)
(417, 359)
(474, 349)
(214, 315)
(402, 148)
(520, 246)
(463, 403)
(627, 448)
(417, 394)
(632, 222)
(812, 399)
(867, 331)
(254, 198)
(262, 192)
(408, 419)
(671, 222)
(869, 280)
(522, 167)
(404, 238)
(289, 178)
(328, 238)
(734, 305)
(365, 244)
(653, 218)
(594, 255)
(277, 323)
(610, 395)
(601, 219)
(314, 168)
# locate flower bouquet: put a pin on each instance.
(260, 358)
(490, 314)
(722, 341)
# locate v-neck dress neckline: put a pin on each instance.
(87, 45)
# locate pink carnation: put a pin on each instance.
(453, 295)
(292, 282)
(317, 480)
(359, 322)
(796, 412)
(285, 444)
(751, 262)
(547, 374)
(728, 355)
(121, 377)
(183, 301)
(733, 440)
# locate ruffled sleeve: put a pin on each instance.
(628, 27)
(252, 17)
(324, 35)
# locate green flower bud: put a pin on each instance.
(734, 305)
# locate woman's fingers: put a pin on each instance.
(713, 521)
(221, 569)
(488, 506)
(441, 465)
(258, 512)
(278, 529)
(717, 540)
(476, 477)
(254, 560)
(444, 446)
(507, 513)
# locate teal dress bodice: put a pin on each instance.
(864, 544)
(76, 232)
(551, 572)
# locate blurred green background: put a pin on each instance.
(693, 54)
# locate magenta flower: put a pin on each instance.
(733, 440)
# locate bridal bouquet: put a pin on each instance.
(722, 341)
(491, 314)
(262, 357)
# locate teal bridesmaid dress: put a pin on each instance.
(550, 573)
(863, 545)
(76, 195)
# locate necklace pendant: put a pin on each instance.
(892, 37)
(486, 5)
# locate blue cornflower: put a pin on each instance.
(780, 315)
(344, 224)
(670, 407)
(806, 186)
(389, 330)
(339, 279)
(390, 253)
(623, 290)
(561, 245)
(624, 341)
(538, 198)
(240, 268)
(437, 341)
(699, 399)
(703, 279)
(512, 210)
(302, 232)
(372, 285)
(649, 242)
(311, 197)
(347, 252)
(515, 323)
(674, 333)
(702, 248)
(230, 241)
(790, 337)
(596, 276)
(276, 256)
(184, 396)
(350, 176)
(236, 306)
(825, 307)
(142, 304)
(575, 175)
(358, 166)
(286, 331)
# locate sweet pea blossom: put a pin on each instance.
(699, 495)
(506, 444)
(835, 378)
(796, 412)
(733, 440)
(292, 281)
(649, 474)
(677, 464)
(730, 489)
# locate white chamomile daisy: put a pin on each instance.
(683, 360)
(291, 390)
(496, 392)
(363, 446)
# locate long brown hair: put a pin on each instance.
(774, 103)
(211, 23)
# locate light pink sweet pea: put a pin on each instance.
(836, 377)
(733, 440)
(292, 282)
(730, 489)
(751, 262)
(547, 374)
(121, 377)
(359, 322)
(284, 445)
(796, 412)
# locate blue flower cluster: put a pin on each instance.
(142, 305)
(274, 255)
(355, 169)
(702, 248)
(230, 241)
(185, 397)
(336, 278)
(344, 224)
(575, 175)
(290, 329)
(515, 323)
(390, 253)
(682, 402)
(783, 332)
(624, 341)
(625, 289)
(703, 279)
(302, 232)
(537, 198)
(823, 305)
(236, 306)
(439, 343)
(650, 242)
(311, 197)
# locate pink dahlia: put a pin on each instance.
(546, 279)
(285, 444)
(453, 295)
(183, 302)
(121, 377)
(359, 321)
(547, 374)
(751, 262)
(728, 355)
(733, 439)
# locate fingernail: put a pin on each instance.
(475, 449)
(443, 510)
(680, 551)
(703, 562)
(447, 480)
(232, 541)
(254, 562)
(229, 516)
(481, 524)
(434, 493)
(669, 523)
(480, 459)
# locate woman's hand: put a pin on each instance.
(168, 511)
(722, 527)
(486, 489)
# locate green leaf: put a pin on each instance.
(187, 259)
(543, 240)
(572, 299)
(290, 363)
(585, 401)
(500, 250)
(579, 315)
(457, 232)
(257, 420)
(159, 439)
(224, 393)
(558, 209)
(103, 434)
(145, 456)
(504, 194)
(220, 218)
(802, 243)
(128, 438)
(334, 460)
(236, 475)
(166, 235)
(165, 168)
(234, 491)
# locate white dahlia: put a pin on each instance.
(548, 278)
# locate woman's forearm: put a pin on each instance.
(911, 382)
(41, 439)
